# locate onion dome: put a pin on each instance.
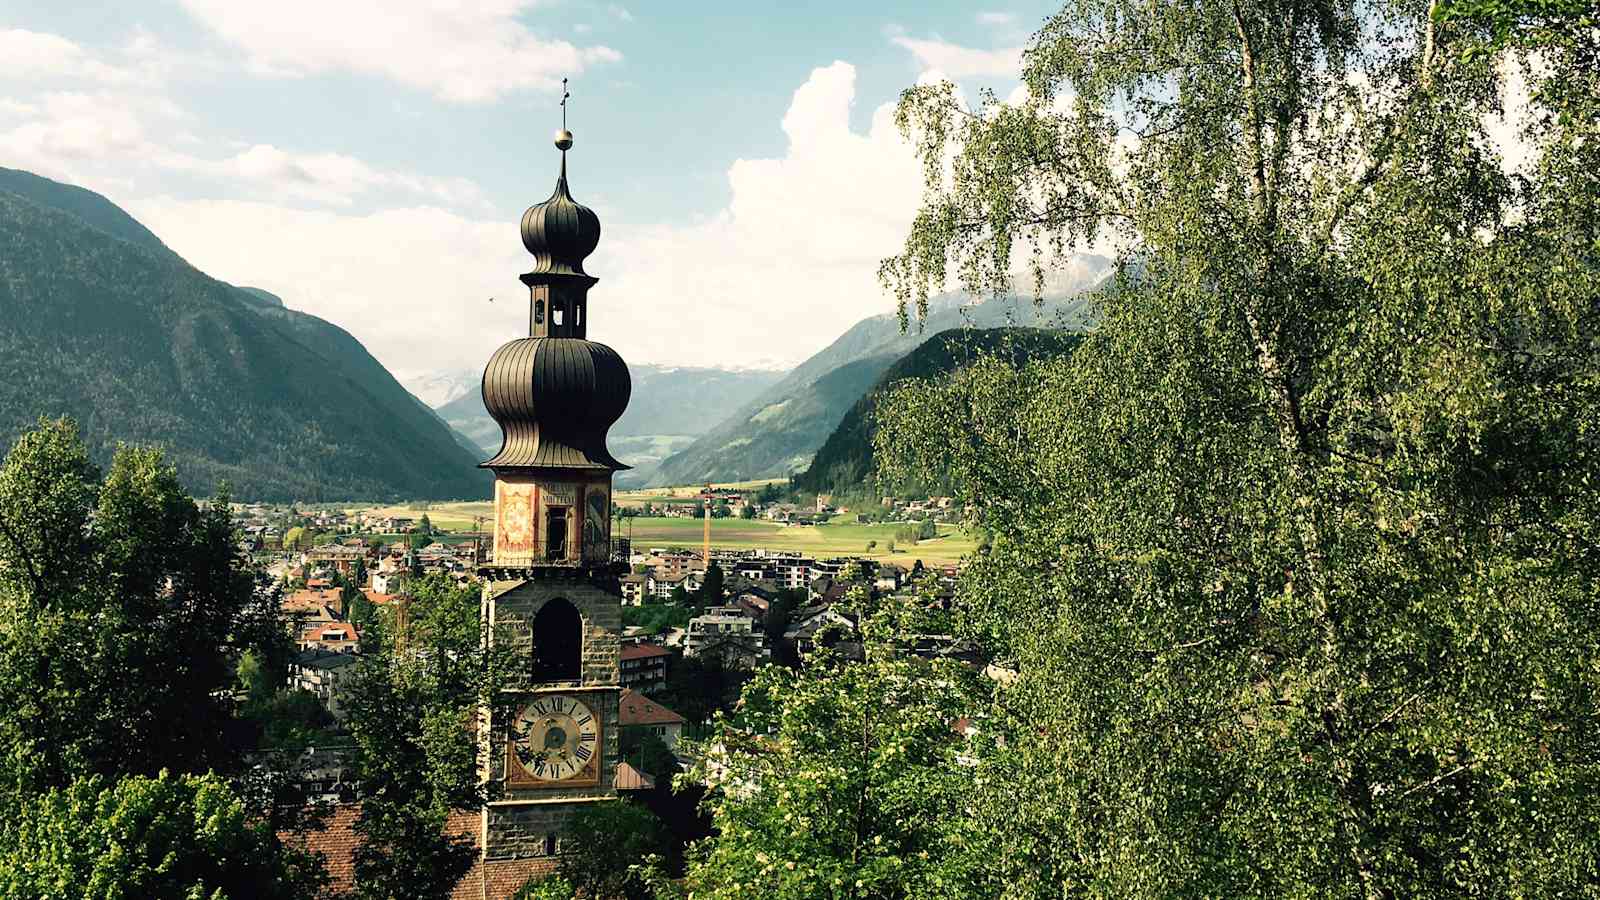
(554, 399)
(560, 232)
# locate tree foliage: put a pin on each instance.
(602, 842)
(412, 714)
(126, 621)
(1291, 557)
(843, 780)
(169, 837)
(124, 610)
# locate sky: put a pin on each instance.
(368, 162)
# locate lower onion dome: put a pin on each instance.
(555, 398)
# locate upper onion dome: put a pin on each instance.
(554, 399)
(560, 232)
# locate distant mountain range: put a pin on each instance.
(845, 462)
(101, 321)
(776, 433)
(435, 389)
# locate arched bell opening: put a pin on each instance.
(558, 642)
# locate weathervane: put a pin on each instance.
(564, 137)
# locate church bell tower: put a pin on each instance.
(551, 593)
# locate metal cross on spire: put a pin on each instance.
(564, 137)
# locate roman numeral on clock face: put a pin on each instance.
(583, 753)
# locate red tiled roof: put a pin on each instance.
(379, 599)
(310, 601)
(644, 651)
(338, 631)
(637, 709)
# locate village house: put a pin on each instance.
(326, 674)
(889, 579)
(637, 713)
(793, 573)
(315, 605)
(334, 557)
(816, 624)
(729, 633)
(634, 585)
(644, 666)
(390, 582)
(337, 637)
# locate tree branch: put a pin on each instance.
(27, 558)
(1431, 782)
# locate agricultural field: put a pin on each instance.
(642, 496)
(444, 516)
(733, 534)
(821, 540)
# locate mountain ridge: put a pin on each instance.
(740, 448)
(103, 322)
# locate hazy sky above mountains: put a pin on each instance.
(368, 161)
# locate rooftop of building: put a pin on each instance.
(637, 709)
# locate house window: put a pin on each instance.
(557, 642)
(538, 312)
(550, 844)
(557, 313)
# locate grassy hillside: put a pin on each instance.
(100, 321)
(844, 462)
(745, 446)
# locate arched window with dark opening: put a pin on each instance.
(538, 312)
(557, 642)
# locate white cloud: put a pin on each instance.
(33, 55)
(337, 178)
(996, 19)
(104, 140)
(95, 138)
(784, 269)
(790, 263)
(465, 51)
(16, 108)
(956, 62)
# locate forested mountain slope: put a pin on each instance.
(101, 321)
(845, 463)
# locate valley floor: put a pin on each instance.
(732, 534)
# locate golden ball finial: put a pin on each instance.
(563, 140)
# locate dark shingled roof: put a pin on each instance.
(560, 232)
(555, 398)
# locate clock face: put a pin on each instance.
(554, 738)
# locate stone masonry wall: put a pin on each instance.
(519, 830)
